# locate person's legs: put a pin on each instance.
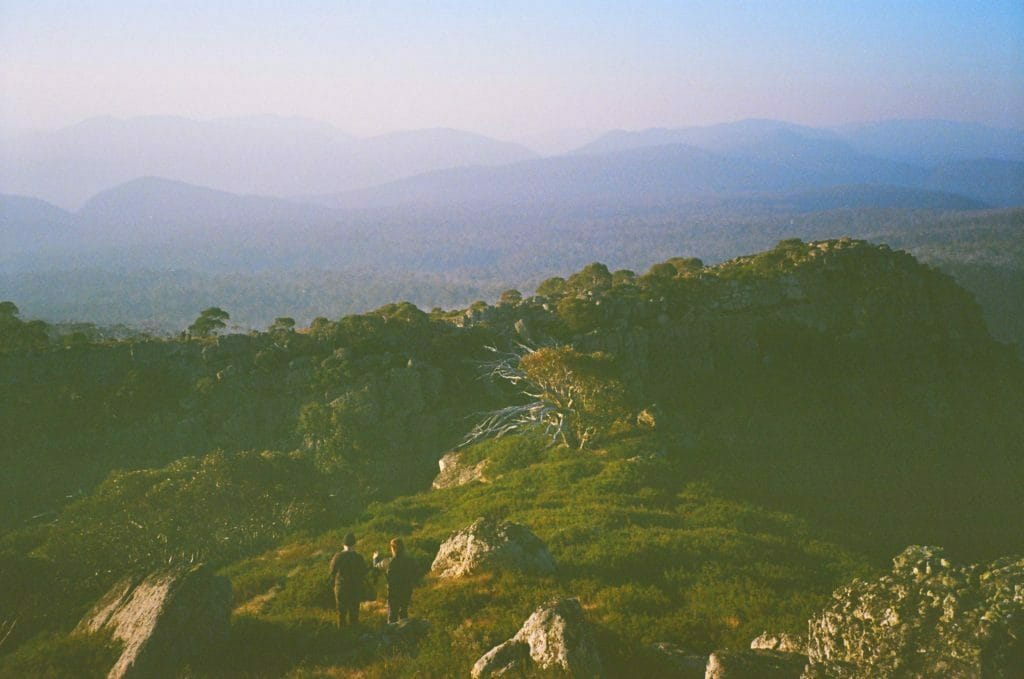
(353, 612)
(403, 607)
(339, 607)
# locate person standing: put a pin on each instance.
(401, 575)
(348, 572)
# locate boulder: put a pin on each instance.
(163, 620)
(454, 473)
(784, 643)
(556, 637)
(755, 665)
(489, 545)
(927, 618)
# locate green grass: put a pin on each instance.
(652, 556)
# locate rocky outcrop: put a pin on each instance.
(555, 637)
(928, 618)
(162, 620)
(488, 545)
(754, 665)
(785, 643)
(453, 472)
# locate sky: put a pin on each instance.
(518, 69)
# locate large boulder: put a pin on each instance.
(489, 545)
(754, 665)
(163, 620)
(555, 637)
(928, 618)
(453, 472)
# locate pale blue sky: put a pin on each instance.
(521, 68)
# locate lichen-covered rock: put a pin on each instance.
(163, 620)
(928, 618)
(784, 643)
(556, 637)
(754, 665)
(488, 545)
(453, 472)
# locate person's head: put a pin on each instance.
(350, 540)
(397, 546)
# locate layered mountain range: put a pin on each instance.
(443, 217)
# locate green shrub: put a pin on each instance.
(56, 656)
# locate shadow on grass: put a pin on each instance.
(274, 647)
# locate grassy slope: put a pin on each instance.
(652, 554)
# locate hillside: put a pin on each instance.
(731, 444)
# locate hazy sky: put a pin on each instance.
(510, 69)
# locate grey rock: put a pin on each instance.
(454, 473)
(163, 620)
(556, 637)
(926, 618)
(754, 665)
(489, 545)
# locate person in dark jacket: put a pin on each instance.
(400, 572)
(348, 572)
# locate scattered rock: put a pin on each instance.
(454, 473)
(555, 637)
(509, 658)
(754, 665)
(928, 618)
(163, 620)
(669, 660)
(785, 643)
(488, 545)
(647, 419)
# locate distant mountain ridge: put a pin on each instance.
(294, 157)
(669, 176)
(925, 143)
(250, 155)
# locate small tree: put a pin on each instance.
(551, 288)
(574, 396)
(283, 324)
(209, 322)
(510, 298)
